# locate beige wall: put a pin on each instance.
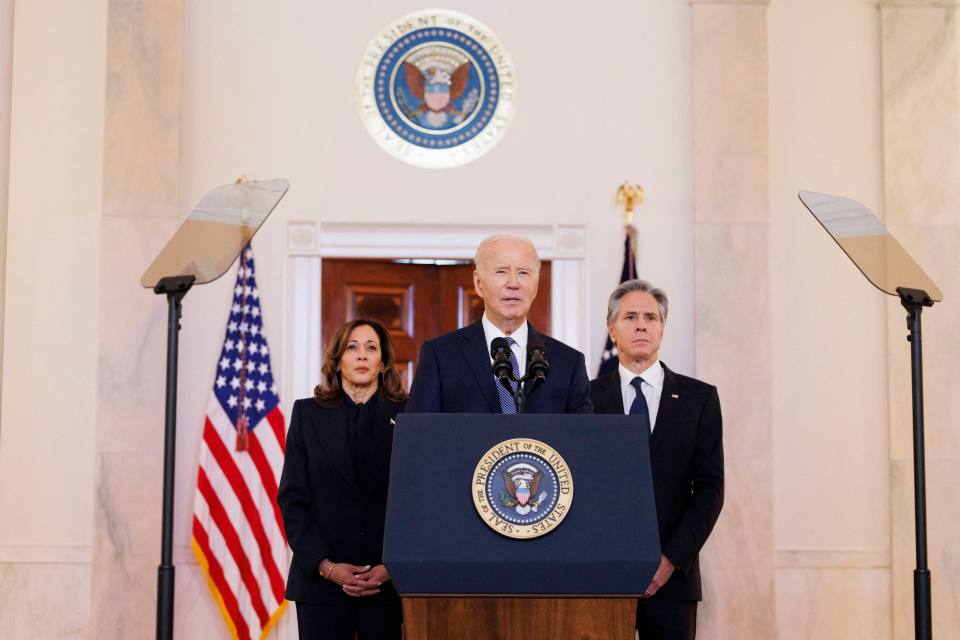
(829, 391)
(732, 265)
(51, 317)
(921, 152)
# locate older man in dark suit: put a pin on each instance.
(455, 375)
(682, 416)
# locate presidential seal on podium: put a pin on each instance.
(522, 488)
(436, 89)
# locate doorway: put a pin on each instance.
(414, 299)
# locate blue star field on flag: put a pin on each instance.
(244, 384)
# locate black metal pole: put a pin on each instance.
(914, 301)
(174, 289)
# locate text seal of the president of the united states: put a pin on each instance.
(522, 488)
(436, 88)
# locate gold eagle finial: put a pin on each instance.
(629, 195)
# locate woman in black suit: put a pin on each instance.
(333, 490)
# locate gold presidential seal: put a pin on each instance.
(522, 488)
(436, 88)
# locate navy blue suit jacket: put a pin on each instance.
(686, 459)
(454, 375)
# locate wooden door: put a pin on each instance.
(415, 302)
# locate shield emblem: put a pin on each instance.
(437, 96)
(523, 495)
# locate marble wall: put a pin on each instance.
(732, 270)
(141, 168)
(51, 317)
(921, 123)
(6, 60)
(832, 513)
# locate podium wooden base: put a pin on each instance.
(441, 618)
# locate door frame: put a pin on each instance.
(308, 242)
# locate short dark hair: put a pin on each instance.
(390, 385)
(629, 286)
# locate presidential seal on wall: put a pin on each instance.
(436, 89)
(522, 488)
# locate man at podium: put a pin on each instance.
(455, 373)
(682, 416)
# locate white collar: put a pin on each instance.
(491, 331)
(652, 375)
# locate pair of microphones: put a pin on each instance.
(537, 367)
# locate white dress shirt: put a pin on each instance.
(652, 387)
(519, 348)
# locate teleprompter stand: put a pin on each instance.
(174, 287)
(887, 266)
(914, 300)
(201, 250)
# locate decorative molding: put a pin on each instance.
(377, 240)
(302, 237)
(832, 559)
(46, 554)
(570, 241)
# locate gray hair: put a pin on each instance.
(497, 238)
(629, 286)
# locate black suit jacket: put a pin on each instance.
(686, 458)
(328, 511)
(454, 375)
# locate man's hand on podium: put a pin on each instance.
(664, 571)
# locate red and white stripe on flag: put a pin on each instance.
(238, 533)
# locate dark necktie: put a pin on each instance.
(508, 405)
(639, 407)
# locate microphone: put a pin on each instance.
(502, 369)
(537, 365)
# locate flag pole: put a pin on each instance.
(629, 195)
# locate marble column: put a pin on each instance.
(6, 59)
(921, 138)
(53, 86)
(731, 294)
(141, 177)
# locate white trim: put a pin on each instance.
(308, 242)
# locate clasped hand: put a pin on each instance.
(358, 581)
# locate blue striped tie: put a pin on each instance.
(508, 406)
(639, 407)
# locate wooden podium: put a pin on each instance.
(458, 572)
(444, 618)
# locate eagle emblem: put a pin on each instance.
(441, 87)
(522, 494)
(436, 89)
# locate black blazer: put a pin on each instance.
(454, 375)
(686, 458)
(329, 512)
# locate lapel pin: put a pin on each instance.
(673, 395)
(393, 422)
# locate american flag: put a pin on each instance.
(238, 534)
(610, 361)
